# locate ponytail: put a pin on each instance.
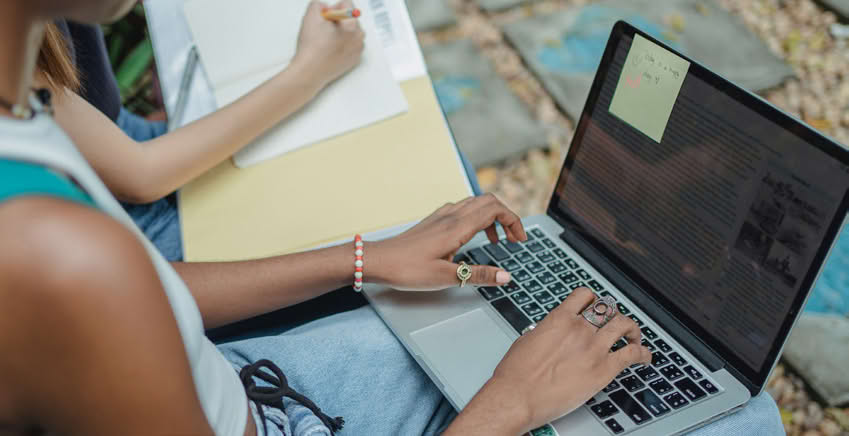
(54, 61)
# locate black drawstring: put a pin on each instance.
(273, 396)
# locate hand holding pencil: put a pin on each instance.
(340, 14)
(328, 48)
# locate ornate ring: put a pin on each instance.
(464, 272)
(600, 312)
(528, 329)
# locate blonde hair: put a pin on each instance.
(54, 61)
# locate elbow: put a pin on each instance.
(142, 193)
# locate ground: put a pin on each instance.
(798, 31)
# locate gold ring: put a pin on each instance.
(464, 272)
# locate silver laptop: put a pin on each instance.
(703, 210)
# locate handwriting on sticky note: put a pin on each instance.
(648, 86)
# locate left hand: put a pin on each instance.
(421, 258)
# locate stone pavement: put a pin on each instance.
(430, 14)
(563, 49)
(488, 121)
(818, 349)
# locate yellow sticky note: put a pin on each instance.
(648, 87)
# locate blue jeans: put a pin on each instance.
(160, 220)
(352, 366)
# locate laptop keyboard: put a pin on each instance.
(543, 276)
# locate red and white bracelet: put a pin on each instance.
(358, 263)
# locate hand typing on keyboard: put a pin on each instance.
(552, 370)
(422, 258)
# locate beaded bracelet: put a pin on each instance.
(358, 263)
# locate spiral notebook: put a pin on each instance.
(244, 43)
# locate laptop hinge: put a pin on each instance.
(678, 330)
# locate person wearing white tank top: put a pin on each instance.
(100, 335)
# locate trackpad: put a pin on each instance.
(464, 351)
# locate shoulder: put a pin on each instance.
(50, 243)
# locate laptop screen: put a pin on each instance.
(715, 203)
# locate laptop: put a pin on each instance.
(706, 212)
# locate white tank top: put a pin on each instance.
(221, 394)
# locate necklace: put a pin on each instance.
(26, 113)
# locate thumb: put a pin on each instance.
(485, 275)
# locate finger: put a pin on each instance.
(486, 210)
(616, 328)
(482, 275)
(492, 234)
(627, 356)
(578, 300)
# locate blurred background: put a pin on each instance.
(512, 76)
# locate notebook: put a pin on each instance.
(242, 44)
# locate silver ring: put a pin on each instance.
(600, 312)
(528, 329)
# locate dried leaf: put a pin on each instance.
(839, 415)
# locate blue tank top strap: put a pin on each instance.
(19, 178)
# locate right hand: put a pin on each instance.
(328, 49)
(555, 368)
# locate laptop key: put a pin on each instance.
(536, 231)
(558, 288)
(479, 257)
(608, 294)
(532, 309)
(551, 306)
(647, 344)
(568, 278)
(622, 309)
(543, 297)
(539, 317)
(510, 265)
(618, 345)
(674, 356)
(535, 267)
(496, 252)
(649, 333)
(520, 275)
(513, 247)
(614, 426)
(663, 346)
(595, 286)
(533, 286)
(708, 386)
(624, 373)
(548, 243)
(692, 372)
(661, 386)
(604, 409)
(655, 405)
(676, 400)
(571, 263)
(611, 387)
(630, 407)
(575, 285)
(690, 389)
(490, 292)
(647, 373)
(546, 257)
(535, 247)
(583, 274)
(521, 298)
(563, 297)
(525, 257)
(636, 320)
(511, 287)
(546, 278)
(632, 383)
(511, 313)
(658, 359)
(560, 253)
(557, 267)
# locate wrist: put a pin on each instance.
(375, 256)
(304, 71)
(515, 417)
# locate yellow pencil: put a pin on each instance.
(340, 14)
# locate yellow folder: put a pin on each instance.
(386, 174)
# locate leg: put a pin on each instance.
(159, 220)
(759, 417)
(352, 366)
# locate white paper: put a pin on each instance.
(244, 43)
(396, 33)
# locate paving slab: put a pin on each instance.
(499, 5)
(563, 49)
(840, 7)
(431, 14)
(818, 350)
(488, 121)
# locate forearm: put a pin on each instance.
(232, 291)
(176, 158)
(492, 411)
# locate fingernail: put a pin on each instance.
(502, 277)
